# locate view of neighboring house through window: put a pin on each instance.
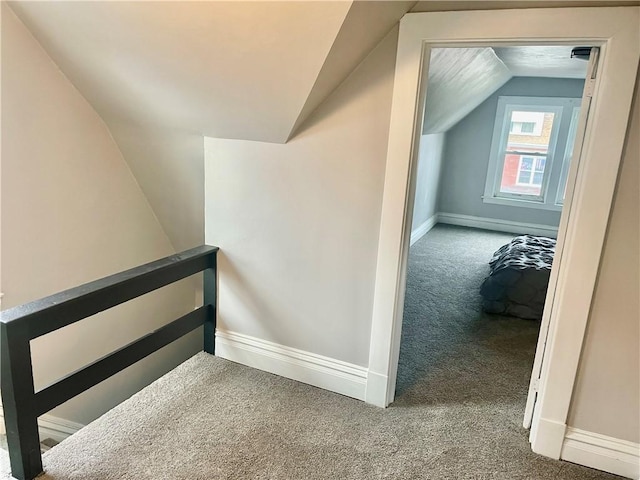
(530, 173)
(531, 151)
(526, 152)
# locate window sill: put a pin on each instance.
(512, 202)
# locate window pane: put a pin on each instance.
(530, 131)
(522, 175)
(537, 179)
(528, 127)
(526, 163)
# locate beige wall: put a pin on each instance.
(298, 264)
(298, 223)
(607, 395)
(288, 277)
(169, 166)
(72, 212)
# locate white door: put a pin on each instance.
(553, 280)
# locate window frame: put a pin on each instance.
(557, 158)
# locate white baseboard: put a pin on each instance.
(376, 393)
(56, 428)
(497, 225)
(546, 437)
(597, 451)
(423, 229)
(328, 373)
(50, 427)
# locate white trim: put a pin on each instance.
(423, 229)
(522, 203)
(568, 155)
(590, 191)
(498, 225)
(591, 184)
(49, 426)
(56, 428)
(547, 438)
(554, 167)
(594, 450)
(376, 389)
(317, 370)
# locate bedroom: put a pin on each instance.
(496, 146)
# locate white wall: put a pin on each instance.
(72, 212)
(607, 394)
(425, 206)
(298, 223)
(468, 148)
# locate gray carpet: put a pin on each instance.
(451, 351)
(462, 388)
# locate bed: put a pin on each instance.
(518, 277)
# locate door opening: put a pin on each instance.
(590, 188)
(493, 163)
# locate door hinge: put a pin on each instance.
(536, 384)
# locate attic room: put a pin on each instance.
(206, 213)
(459, 314)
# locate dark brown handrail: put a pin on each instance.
(18, 325)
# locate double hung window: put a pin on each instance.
(531, 151)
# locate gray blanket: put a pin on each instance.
(519, 277)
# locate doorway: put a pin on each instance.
(495, 148)
(583, 222)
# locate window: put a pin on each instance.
(530, 123)
(528, 133)
(527, 127)
(531, 172)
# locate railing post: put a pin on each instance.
(210, 298)
(18, 401)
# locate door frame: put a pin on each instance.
(584, 217)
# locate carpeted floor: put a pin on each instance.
(463, 381)
(451, 351)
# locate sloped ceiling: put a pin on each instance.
(364, 27)
(223, 69)
(460, 79)
(163, 74)
(542, 61)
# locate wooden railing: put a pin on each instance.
(18, 326)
